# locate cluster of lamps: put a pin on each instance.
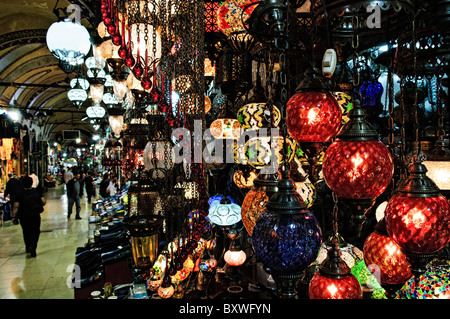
(286, 236)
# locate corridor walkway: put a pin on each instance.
(44, 276)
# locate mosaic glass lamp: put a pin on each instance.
(286, 237)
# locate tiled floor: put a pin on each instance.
(44, 276)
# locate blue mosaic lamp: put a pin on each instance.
(286, 237)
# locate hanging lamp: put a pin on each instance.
(255, 201)
(382, 252)
(418, 219)
(358, 167)
(286, 237)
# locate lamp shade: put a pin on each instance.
(115, 120)
(255, 200)
(225, 128)
(235, 257)
(313, 113)
(77, 95)
(97, 90)
(334, 280)
(95, 111)
(357, 165)
(286, 236)
(225, 213)
(418, 216)
(232, 13)
(68, 41)
(380, 250)
(120, 89)
(322, 287)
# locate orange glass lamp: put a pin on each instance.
(166, 289)
(254, 204)
(334, 279)
(382, 252)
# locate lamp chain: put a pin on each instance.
(335, 240)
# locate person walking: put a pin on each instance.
(27, 210)
(35, 179)
(89, 186)
(13, 188)
(74, 195)
(68, 175)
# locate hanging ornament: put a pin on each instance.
(313, 114)
(382, 252)
(333, 280)
(357, 166)
(418, 218)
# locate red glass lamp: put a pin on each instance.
(418, 218)
(313, 118)
(381, 251)
(358, 167)
(313, 113)
(334, 279)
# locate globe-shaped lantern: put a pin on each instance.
(358, 167)
(313, 113)
(68, 41)
(235, 256)
(77, 94)
(225, 213)
(232, 13)
(254, 204)
(334, 280)
(382, 252)
(286, 236)
(418, 218)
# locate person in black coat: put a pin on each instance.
(74, 191)
(89, 185)
(13, 188)
(27, 209)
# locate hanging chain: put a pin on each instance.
(355, 46)
(282, 45)
(335, 240)
(440, 111)
(416, 93)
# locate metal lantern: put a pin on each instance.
(144, 236)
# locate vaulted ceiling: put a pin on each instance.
(30, 77)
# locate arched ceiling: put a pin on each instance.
(30, 77)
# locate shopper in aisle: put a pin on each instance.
(68, 175)
(35, 179)
(13, 188)
(89, 185)
(112, 187)
(27, 210)
(74, 190)
(104, 184)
